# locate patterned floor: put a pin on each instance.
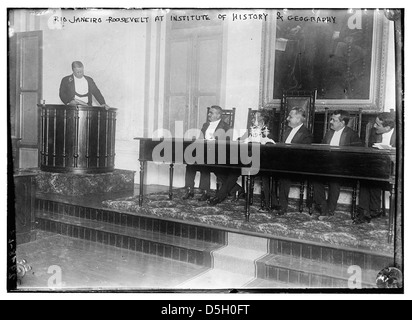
(335, 230)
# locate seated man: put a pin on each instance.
(229, 177)
(339, 135)
(295, 133)
(215, 128)
(369, 207)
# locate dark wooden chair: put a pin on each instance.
(290, 100)
(368, 129)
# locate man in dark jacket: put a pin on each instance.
(369, 196)
(339, 135)
(296, 132)
(214, 128)
(78, 89)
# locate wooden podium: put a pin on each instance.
(77, 140)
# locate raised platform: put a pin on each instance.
(70, 184)
(293, 251)
(336, 230)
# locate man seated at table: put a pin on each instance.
(383, 132)
(338, 135)
(214, 128)
(258, 133)
(295, 133)
(229, 177)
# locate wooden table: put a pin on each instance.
(311, 161)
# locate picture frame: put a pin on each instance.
(371, 98)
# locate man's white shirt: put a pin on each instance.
(336, 138)
(211, 130)
(386, 137)
(81, 87)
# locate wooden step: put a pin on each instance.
(312, 273)
(139, 221)
(163, 245)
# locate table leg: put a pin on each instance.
(247, 205)
(301, 195)
(310, 198)
(269, 201)
(356, 187)
(262, 197)
(391, 213)
(353, 208)
(142, 166)
(171, 181)
(251, 187)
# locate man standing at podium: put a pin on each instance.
(78, 89)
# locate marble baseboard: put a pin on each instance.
(84, 184)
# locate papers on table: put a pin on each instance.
(382, 146)
(264, 140)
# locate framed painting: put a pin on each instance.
(340, 53)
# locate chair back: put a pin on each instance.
(301, 99)
(268, 116)
(368, 130)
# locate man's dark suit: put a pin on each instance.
(377, 138)
(220, 133)
(369, 195)
(302, 136)
(67, 90)
(348, 138)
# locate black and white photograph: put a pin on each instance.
(205, 150)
